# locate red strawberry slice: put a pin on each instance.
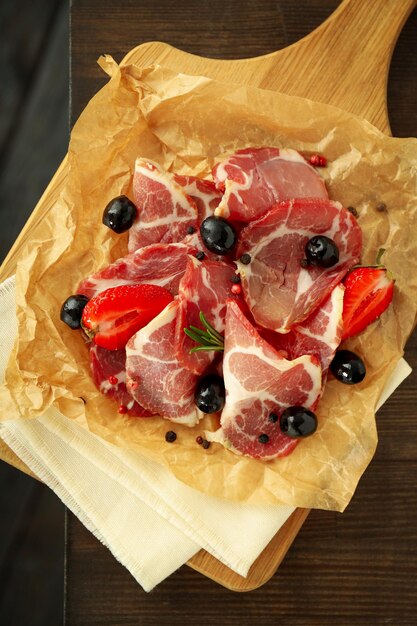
(368, 292)
(116, 314)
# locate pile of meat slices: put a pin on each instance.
(280, 332)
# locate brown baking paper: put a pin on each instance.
(186, 123)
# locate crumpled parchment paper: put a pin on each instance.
(186, 123)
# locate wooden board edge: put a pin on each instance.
(262, 569)
(161, 46)
(8, 456)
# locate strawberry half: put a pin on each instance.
(112, 317)
(368, 292)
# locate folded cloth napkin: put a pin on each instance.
(151, 522)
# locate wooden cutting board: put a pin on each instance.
(344, 62)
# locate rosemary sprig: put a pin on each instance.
(208, 339)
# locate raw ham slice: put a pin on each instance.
(255, 179)
(207, 198)
(111, 364)
(159, 264)
(319, 335)
(165, 212)
(259, 382)
(278, 290)
(155, 378)
(204, 287)
(203, 192)
(196, 240)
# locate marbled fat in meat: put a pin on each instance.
(255, 179)
(278, 290)
(112, 363)
(204, 193)
(204, 287)
(319, 335)
(165, 212)
(259, 381)
(154, 377)
(159, 264)
(207, 198)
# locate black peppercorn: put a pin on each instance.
(205, 444)
(245, 259)
(190, 230)
(200, 255)
(263, 438)
(170, 436)
(352, 210)
(236, 279)
(273, 417)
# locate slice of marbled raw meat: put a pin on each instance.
(255, 179)
(165, 212)
(207, 198)
(319, 335)
(259, 381)
(108, 368)
(203, 192)
(154, 377)
(160, 264)
(278, 290)
(204, 287)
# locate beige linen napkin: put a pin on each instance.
(151, 522)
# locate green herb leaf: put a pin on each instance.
(206, 349)
(209, 327)
(193, 336)
(208, 338)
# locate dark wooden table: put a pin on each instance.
(355, 568)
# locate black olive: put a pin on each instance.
(72, 310)
(348, 367)
(210, 393)
(218, 235)
(322, 251)
(297, 421)
(119, 214)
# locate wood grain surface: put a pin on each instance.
(335, 63)
(355, 568)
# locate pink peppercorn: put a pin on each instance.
(236, 289)
(113, 380)
(123, 409)
(318, 160)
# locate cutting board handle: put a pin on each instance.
(344, 62)
(349, 55)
